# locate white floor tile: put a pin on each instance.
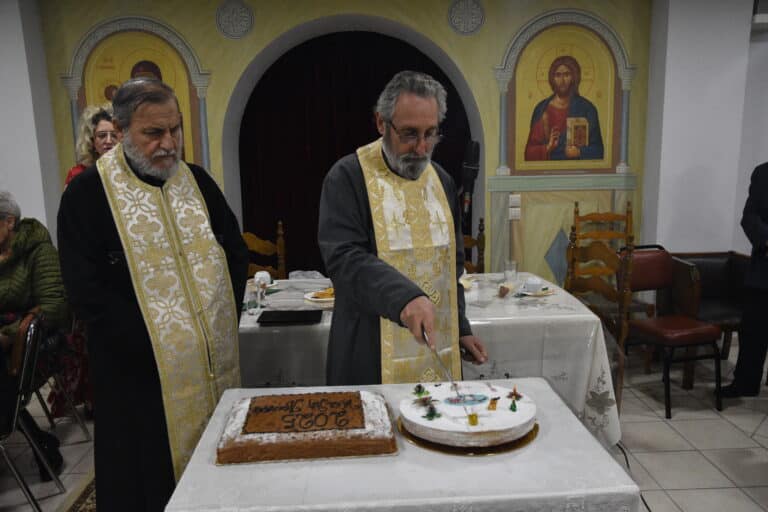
(72, 454)
(761, 440)
(46, 493)
(652, 436)
(659, 501)
(759, 494)
(746, 420)
(636, 471)
(762, 428)
(745, 467)
(682, 470)
(712, 434)
(633, 410)
(14, 451)
(714, 500)
(755, 403)
(684, 404)
(85, 465)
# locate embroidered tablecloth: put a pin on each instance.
(563, 469)
(555, 337)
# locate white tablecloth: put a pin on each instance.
(564, 468)
(555, 337)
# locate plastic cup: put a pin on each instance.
(510, 271)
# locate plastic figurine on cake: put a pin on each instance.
(419, 390)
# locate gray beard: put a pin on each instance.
(409, 166)
(143, 165)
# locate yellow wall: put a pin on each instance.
(65, 22)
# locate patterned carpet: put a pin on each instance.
(87, 500)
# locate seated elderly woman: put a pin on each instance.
(30, 278)
(95, 136)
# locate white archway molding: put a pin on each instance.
(342, 23)
(505, 71)
(73, 78)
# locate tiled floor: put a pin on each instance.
(699, 460)
(76, 473)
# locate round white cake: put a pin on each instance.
(452, 426)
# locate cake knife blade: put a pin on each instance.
(444, 368)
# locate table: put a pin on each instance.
(555, 337)
(564, 468)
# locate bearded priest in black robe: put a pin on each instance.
(153, 261)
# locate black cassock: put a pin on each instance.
(753, 340)
(366, 288)
(133, 457)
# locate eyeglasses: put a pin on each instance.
(104, 135)
(411, 137)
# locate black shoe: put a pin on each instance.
(733, 390)
(49, 439)
(54, 458)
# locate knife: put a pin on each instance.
(445, 369)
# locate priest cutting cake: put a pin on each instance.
(153, 262)
(390, 236)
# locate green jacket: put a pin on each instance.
(32, 277)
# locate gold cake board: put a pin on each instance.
(469, 451)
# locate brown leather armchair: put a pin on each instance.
(675, 326)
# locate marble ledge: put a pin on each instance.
(585, 181)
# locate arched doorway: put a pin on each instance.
(312, 106)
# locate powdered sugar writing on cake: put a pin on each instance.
(304, 413)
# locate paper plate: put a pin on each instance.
(540, 293)
(309, 297)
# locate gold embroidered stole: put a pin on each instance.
(181, 279)
(414, 230)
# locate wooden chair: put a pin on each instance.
(265, 248)
(478, 244)
(9, 419)
(678, 291)
(600, 276)
(613, 229)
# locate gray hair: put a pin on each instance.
(134, 93)
(413, 82)
(9, 207)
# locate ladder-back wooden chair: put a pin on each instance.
(264, 248)
(600, 276)
(610, 228)
(615, 231)
(479, 245)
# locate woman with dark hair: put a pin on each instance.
(30, 279)
(96, 136)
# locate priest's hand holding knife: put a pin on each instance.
(419, 316)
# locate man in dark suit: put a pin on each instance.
(753, 339)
